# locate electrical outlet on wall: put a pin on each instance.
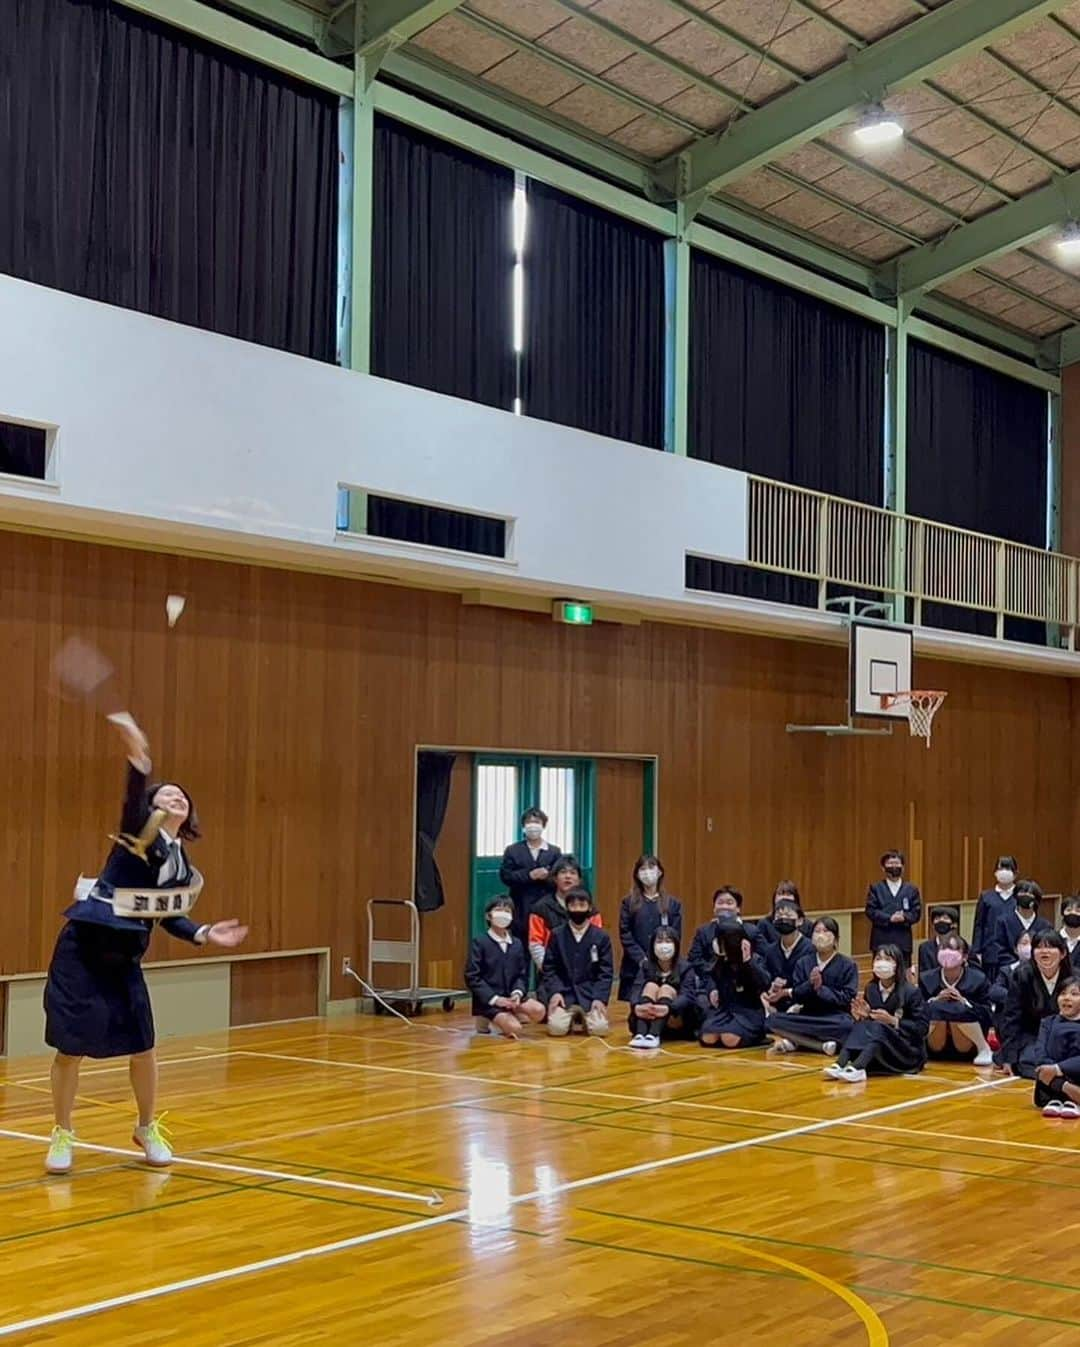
(708, 825)
(346, 966)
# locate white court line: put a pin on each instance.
(430, 1200)
(339, 1246)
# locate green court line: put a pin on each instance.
(829, 1248)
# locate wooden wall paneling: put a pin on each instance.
(619, 828)
(264, 990)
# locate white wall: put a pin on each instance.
(166, 432)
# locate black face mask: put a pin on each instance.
(942, 927)
(579, 918)
(785, 925)
(1072, 920)
(893, 871)
(1027, 904)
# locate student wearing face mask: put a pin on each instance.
(1070, 929)
(526, 869)
(497, 974)
(729, 995)
(1032, 996)
(784, 958)
(944, 921)
(727, 907)
(549, 912)
(893, 906)
(664, 995)
(999, 988)
(992, 906)
(1057, 1056)
(578, 970)
(889, 1034)
(958, 1000)
(786, 893)
(1024, 918)
(819, 1019)
(646, 907)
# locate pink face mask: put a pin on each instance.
(950, 959)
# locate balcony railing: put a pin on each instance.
(838, 542)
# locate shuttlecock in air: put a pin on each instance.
(174, 606)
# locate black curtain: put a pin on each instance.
(976, 458)
(433, 773)
(442, 302)
(594, 320)
(435, 526)
(148, 169)
(22, 450)
(785, 386)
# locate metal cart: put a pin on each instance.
(411, 999)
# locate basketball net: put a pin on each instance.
(921, 707)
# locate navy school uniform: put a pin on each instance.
(881, 904)
(786, 964)
(1058, 1045)
(580, 970)
(495, 968)
(636, 931)
(989, 911)
(973, 986)
(96, 1001)
(1029, 1001)
(1074, 955)
(738, 988)
(768, 934)
(824, 1015)
(1000, 934)
(517, 862)
(702, 953)
(879, 1048)
(927, 957)
(684, 1007)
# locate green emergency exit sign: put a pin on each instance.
(573, 614)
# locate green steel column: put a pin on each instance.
(677, 282)
(896, 465)
(363, 211)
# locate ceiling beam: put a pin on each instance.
(1062, 349)
(914, 53)
(370, 27)
(1001, 231)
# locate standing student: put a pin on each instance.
(784, 960)
(497, 974)
(893, 906)
(786, 893)
(1057, 1056)
(549, 913)
(663, 998)
(889, 1034)
(96, 1001)
(526, 870)
(1070, 928)
(646, 907)
(958, 1001)
(727, 907)
(945, 921)
(1024, 917)
(730, 993)
(994, 904)
(1032, 996)
(819, 1019)
(578, 970)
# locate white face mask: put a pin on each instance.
(664, 951)
(534, 831)
(823, 940)
(1005, 877)
(648, 878)
(884, 969)
(501, 920)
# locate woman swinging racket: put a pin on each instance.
(96, 1001)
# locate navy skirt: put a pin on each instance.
(811, 1031)
(746, 1023)
(951, 1012)
(96, 1001)
(894, 1053)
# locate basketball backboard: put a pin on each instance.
(881, 658)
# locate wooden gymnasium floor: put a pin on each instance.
(913, 1212)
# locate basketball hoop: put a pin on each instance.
(921, 708)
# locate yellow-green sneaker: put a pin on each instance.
(61, 1151)
(154, 1142)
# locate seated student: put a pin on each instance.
(578, 970)
(820, 1016)
(497, 975)
(646, 907)
(786, 893)
(783, 959)
(549, 912)
(526, 869)
(727, 907)
(993, 904)
(663, 998)
(729, 995)
(893, 906)
(958, 1001)
(889, 1034)
(999, 941)
(1032, 996)
(1070, 928)
(999, 989)
(944, 921)
(1057, 1056)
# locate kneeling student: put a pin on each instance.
(730, 993)
(958, 1002)
(497, 974)
(663, 997)
(578, 970)
(1057, 1075)
(889, 1036)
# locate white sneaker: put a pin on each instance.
(834, 1072)
(830, 1049)
(651, 1040)
(783, 1045)
(61, 1152)
(641, 1041)
(152, 1140)
(853, 1075)
(984, 1058)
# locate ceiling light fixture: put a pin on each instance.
(1069, 242)
(877, 127)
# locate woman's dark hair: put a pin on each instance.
(894, 953)
(669, 933)
(500, 900)
(189, 830)
(830, 924)
(1070, 903)
(891, 855)
(789, 904)
(787, 889)
(1007, 863)
(1050, 940)
(1028, 886)
(1071, 984)
(534, 813)
(729, 939)
(954, 940)
(637, 896)
(581, 892)
(728, 888)
(945, 910)
(1028, 977)
(565, 862)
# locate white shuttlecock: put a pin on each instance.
(174, 606)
